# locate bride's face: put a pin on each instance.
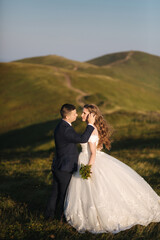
(84, 114)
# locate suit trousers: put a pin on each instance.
(61, 181)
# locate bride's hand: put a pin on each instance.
(91, 118)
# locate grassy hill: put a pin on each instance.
(56, 61)
(126, 87)
(30, 93)
(32, 90)
(108, 59)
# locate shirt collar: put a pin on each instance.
(67, 122)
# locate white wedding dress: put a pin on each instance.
(114, 199)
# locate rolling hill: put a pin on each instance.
(126, 87)
(33, 89)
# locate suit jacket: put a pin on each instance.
(66, 149)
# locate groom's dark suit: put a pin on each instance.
(65, 163)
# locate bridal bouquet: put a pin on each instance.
(85, 171)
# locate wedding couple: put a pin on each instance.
(114, 198)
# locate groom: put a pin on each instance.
(65, 162)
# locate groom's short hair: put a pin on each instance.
(66, 108)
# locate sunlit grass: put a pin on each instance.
(32, 92)
(26, 179)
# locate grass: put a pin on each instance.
(56, 61)
(29, 94)
(26, 179)
(32, 92)
(107, 59)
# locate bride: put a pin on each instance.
(115, 198)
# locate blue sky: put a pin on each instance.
(78, 29)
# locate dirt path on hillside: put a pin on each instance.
(81, 94)
(121, 60)
(110, 111)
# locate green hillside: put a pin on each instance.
(32, 90)
(126, 87)
(56, 61)
(107, 59)
(30, 94)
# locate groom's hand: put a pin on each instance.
(91, 118)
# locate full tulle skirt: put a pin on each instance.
(114, 199)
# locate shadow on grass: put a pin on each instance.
(136, 143)
(27, 189)
(25, 155)
(31, 189)
(30, 136)
(37, 134)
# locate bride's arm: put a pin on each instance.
(92, 146)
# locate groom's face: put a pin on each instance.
(72, 116)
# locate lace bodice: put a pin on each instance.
(85, 146)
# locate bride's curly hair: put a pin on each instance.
(105, 130)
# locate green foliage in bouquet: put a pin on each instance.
(85, 171)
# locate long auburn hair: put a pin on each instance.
(104, 129)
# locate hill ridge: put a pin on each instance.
(108, 59)
(128, 56)
(33, 92)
